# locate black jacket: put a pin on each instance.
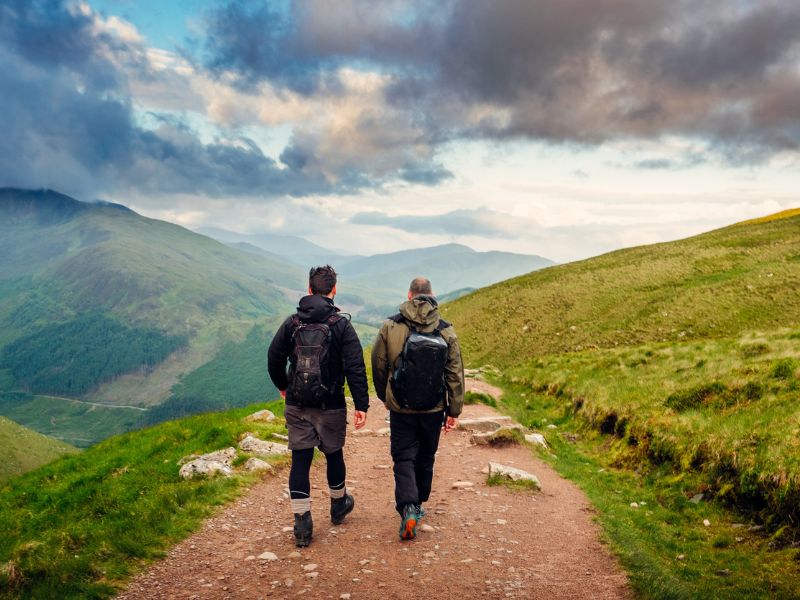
(346, 354)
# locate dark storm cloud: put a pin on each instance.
(481, 222)
(68, 122)
(298, 45)
(585, 71)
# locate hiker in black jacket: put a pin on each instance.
(322, 349)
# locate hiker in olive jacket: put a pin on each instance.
(415, 433)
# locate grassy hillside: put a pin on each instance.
(65, 257)
(78, 527)
(22, 449)
(721, 283)
(99, 303)
(726, 408)
(666, 379)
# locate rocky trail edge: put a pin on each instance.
(477, 541)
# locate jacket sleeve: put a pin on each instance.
(354, 369)
(454, 376)
(380, 364)
(278, 355)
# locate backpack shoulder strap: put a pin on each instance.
(443, 325)
(398, 318)
(334, 318)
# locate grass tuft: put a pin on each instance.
(522, 485)
(479, 398)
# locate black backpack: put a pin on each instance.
(309, 373)
(418, 379)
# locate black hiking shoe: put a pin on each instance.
(303, 529)
(408, 523)
(341, 507)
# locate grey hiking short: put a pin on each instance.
(316, 428)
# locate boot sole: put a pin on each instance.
(408, 531)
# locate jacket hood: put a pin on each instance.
(422, 310)
(315, 308)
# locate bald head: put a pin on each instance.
(420, 286)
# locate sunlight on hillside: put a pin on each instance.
(784, 214)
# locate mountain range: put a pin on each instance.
(372, 286)
(110, 320)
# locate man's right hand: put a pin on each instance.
(450, 424)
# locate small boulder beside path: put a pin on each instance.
(212, 463)
(513, 474)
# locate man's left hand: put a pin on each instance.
(359, 419)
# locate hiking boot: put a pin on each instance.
(408, 524)
(341, 507)
(303, 528)
(420, 511)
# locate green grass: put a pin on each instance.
(22, 449)
(521, 485)
(617, 436)
(663, 544)
(667, 371)
(740, 278)
(80, 526)
(723, 560)
(709, 407)
(479, 398)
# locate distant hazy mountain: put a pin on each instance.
(295, 249)
(450, 267)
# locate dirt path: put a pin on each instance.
(486, 541)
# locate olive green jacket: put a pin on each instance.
(423, 312)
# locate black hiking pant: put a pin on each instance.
(414, 440)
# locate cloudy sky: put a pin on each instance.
(564, 128)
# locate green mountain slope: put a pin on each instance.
(101, 304)
(665, 380)
(721, 283)
(65, 256)
(22, 449)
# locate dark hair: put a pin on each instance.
(419, 286)
(321, 280)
